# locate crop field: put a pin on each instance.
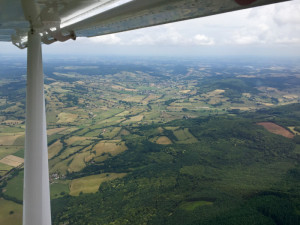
(78, 162)
(91, 184)
(294, 131)
(66, 118)
(9, 139)
(60, 167)
(55, 130)
(69, 151)
(12, 160)
(113, 147)
(77, 140)
(54, 149)
(163, 140)
(8, 150)
(134, 119)
(276, 129)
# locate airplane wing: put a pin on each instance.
(88, 18)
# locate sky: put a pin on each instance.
(272, 30)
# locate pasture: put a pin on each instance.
(64, 117)
(112, 147)
(91, 184)
(184, 136)
(10, 212)
(163, 140)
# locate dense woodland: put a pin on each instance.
(238, 173)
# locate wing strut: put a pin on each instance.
(36, 200)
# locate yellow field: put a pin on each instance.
(124, 132)
(78, 162)
(135, 119)
(12, 160)
(60, 167)
(113, 147)
(78, 140)
(215, 92)
(160, 129)
(150, 98)
(171, 128)
(112, 133)
(163, 140)
(10, 213)
(293, 130)
(69, 151)
(66, 117)
(184, 136)
(69, 130)
(184, 91)
(134, 99)
(55, 130)
(122, 114)
(91, 184)
(54, 149)
(9, 139)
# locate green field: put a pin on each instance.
(91, 184)
(184, 136)
(10, 213)
(14, 188)
(59, 189)
(4, 169)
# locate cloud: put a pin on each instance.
(288, 14)
(274, 28)
(167, 35)
(245, 40)
(200, 39)
(110, 39)
(287, 40)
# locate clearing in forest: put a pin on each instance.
(276, 129)
(184, 136)
(163, 140)
(91, 184)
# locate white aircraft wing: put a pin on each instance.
(87, 18)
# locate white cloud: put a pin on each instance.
(288, 14)
(110, 39)
(200, 39)
(287, 40)
(245, 40)
(268, 25)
